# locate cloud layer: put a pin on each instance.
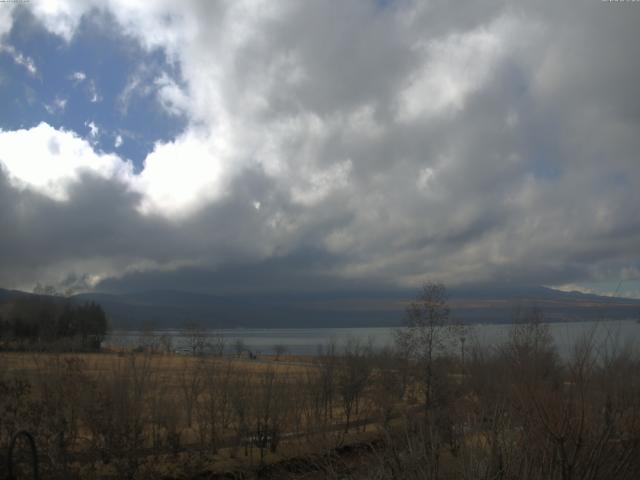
(345, 143)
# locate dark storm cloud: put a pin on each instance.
(100, 229)
(474, 141)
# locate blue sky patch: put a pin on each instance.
(100, 85)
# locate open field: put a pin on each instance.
(221, 413)
(513, 411)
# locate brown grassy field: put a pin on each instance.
(166, 412)
(513, 411)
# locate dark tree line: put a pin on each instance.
(38, 319)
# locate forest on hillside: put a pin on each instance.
(35, 322)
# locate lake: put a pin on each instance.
(305, 341)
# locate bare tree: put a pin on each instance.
(328, 361)
(388, 387)
(215, 409)
(353, 377)
(116, 413)
(530, 348)
(190, 379)
(240, 394)
(270, 406)
(218, 343)
(148, 340)
(239, 346)
(279, 350)
(427, 334)
(195, 337)
(166, 343)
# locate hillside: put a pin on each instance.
(487, 303)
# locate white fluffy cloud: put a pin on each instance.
(19, 58)
(177, 177)
(78, 77)
(49, 160)
(6, 20)
(184, 174)
(455, 66)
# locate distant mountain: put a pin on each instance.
(7, 295)
(488, 303)
(174, 308)
(497, 303)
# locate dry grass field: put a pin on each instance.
(513, 411)
(124, 413)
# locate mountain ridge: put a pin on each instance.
(472, 303)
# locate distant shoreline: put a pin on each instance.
(330, 327)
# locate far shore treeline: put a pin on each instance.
(37, 322)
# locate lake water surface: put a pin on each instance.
(305, 341)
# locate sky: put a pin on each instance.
(261, 146)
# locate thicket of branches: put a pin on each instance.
(512, 411)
